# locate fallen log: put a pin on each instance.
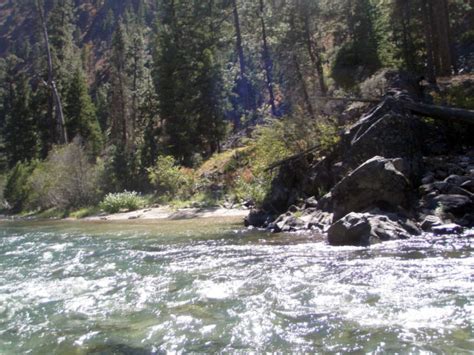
(440, 112)
(433, 111)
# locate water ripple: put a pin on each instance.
(114, 289)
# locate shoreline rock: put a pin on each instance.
(383, 181)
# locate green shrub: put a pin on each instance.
(3, 182)
(254, 190)
(170, 180)
(17, 188)
(66, 179)
(115, 202)
(275, 141)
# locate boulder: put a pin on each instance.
(450, 228)
(468, 185)
(375, 183)
(287, 223)
(456, 179)
(428, 179)
(385, 132)
(444, 187)
(458, 205)
(367, 228)
(353, 229)
(258, 218)
(431, 221)
(311, 202)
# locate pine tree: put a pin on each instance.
(188, 81)
(81, 118)
(20, 133)
(119, 111)
(358, 58)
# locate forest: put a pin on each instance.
(121, 104)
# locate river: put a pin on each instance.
(207, 286)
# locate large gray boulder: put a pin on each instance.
(392, 135)
(376, 183)
(367, 228)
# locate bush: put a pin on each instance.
(276, 141)
(115, 202)
(66, 179)
(3, 202)
(17, 188)
(171, 180)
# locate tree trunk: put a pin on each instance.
(404, 11)
(315, 58)
(306, 97)
(267, 60)
(243, 85)
(444, 40)
(430, 68)
(60, 122)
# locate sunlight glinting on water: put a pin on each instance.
(64, 290)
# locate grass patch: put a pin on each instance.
(85, 212)
(199, 200)
(51, 213)
(222, 162)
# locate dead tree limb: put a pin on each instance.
(433, 111)
(61, 124)
(440, 112)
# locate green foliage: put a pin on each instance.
(81, 118)
(20, 132)
(3, 182)
(254, 190)
(115, 202)
(357, 58)
(458, 96)
(66, 179)
(274, 142)
(189, 83)
(17, 189)
(468, 38)
(84, 212)
(171, 180)
(123, 170)
(354, 63)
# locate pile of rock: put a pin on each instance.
(378, 202)
(380, 186)
(447, 193)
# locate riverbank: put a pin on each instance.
(161, 213)
(148, 214)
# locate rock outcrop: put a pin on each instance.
(367, 228)
(378, 184)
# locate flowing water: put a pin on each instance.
(206, 286)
